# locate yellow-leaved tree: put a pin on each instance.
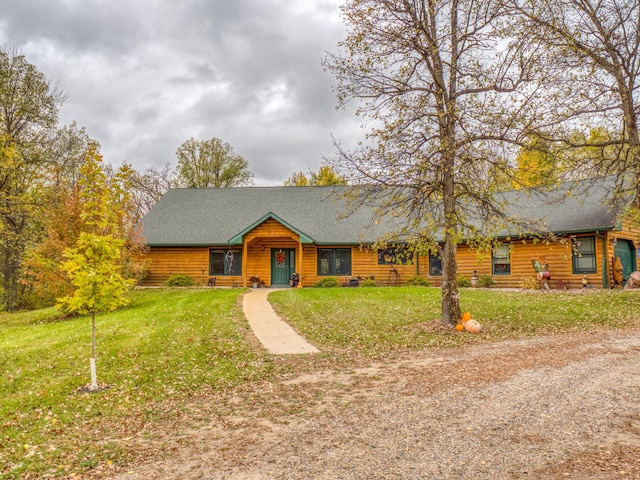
(94, 264)
(536, 165)
(325, 176)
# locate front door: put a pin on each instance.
(283, 264)
(627, 253)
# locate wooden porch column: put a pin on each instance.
(245, 255)
(300, 267)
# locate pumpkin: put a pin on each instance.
(466, 316)
(459, 327)
(472, 326)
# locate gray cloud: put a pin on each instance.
(144, 76)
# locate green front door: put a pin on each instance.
(283, 264)
(627, 253)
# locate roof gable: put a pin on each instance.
(237, 239)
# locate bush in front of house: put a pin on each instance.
(486, 281)
(180, 280)
(328, 282)
(463, 282)
(529, 283)
(418, 281)
(368, 282)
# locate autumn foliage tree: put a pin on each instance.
(28, 118)
(325, 176)
(590, 55)
(62, 220)
(59, 217)
(210, 164)
(536, 165)
(94, 265)
(442, 94)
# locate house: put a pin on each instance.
(250, 236)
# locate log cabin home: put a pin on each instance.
(261, 236)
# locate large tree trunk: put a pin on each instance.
(450, 297)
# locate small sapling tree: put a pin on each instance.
(94, 264)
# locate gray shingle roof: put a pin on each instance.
(217, 216)
(572, 207)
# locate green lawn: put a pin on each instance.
(171, 346)
(166, 346)
(376, 321)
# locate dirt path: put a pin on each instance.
(541, 408)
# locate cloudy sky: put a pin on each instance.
(143, 76)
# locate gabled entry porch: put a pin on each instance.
(272, 251)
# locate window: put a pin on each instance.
(501, 259)
(334, 261)
(225, 262)
(584, 255)
(435, 265)
(395, 256)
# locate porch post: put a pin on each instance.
(245, 255)
(299, 268)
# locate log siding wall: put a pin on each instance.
(258, 243)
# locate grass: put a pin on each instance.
(153, 355)
(376, 321)
(171, 346)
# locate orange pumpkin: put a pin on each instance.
(472, 326)
(459, 327)
(465, 317)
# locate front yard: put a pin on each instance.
(173, 348)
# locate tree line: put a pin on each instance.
(460, 98)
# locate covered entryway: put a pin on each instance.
(626, 251)
(283, 265)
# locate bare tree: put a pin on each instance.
(442, 94)
(595, 44)
(149, 186)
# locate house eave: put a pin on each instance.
(588, 230)
(191, 245)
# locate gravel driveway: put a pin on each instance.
(565, 406)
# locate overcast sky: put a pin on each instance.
(143, 76)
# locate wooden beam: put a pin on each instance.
(245, 248)
(299, 267)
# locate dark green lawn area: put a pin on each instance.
(375, 321)
(172, 346)
(154, 355)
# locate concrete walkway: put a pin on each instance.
(275, 335)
